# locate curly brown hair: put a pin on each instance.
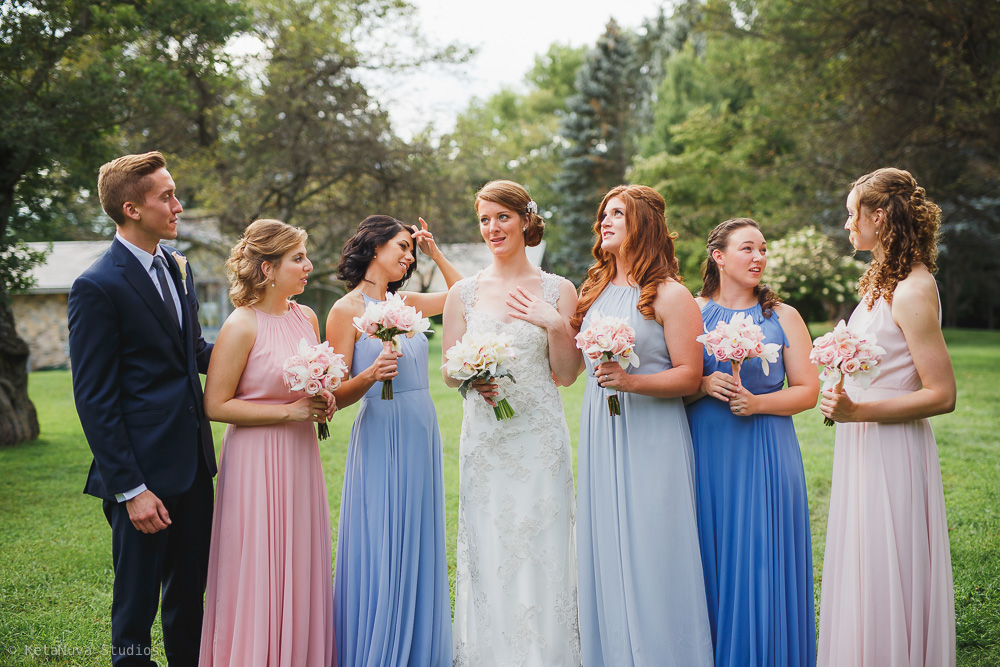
(649, 247)
(718, 239)
(908, 234)
(263, 240)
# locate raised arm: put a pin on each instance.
(803, 377)
(342, 335)
(915, 311)
(431, 304)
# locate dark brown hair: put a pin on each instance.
(908, 234)
(648, 247)
(718, 239)
(359, 250)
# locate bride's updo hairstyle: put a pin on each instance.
(263, 240)
(908, 233)
(513, 196)
(648, 247)
(359, 250)
(718, 239)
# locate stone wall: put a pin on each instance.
(42, 322)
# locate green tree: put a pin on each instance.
(70, 73)
(598, 131)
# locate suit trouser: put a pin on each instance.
(176, 559)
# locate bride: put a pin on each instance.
(515, 594)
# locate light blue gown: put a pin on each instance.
(392, 605)
(753, 517)
(642, 596)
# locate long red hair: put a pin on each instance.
(648, 248)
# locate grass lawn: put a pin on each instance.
(56, 577)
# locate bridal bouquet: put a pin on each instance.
(482, 356)
(845, 351)
(738, 340)
(387, 319)
(313, 369)
(609, 338)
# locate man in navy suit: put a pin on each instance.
(136, 351)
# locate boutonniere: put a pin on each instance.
(182, 266)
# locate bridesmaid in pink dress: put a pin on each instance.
(887, 597)
(270, 589)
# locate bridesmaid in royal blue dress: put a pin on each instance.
(753, 515)
(642, 599)
(391, 597)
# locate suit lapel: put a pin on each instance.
(141, 282)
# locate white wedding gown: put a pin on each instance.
(515, 593)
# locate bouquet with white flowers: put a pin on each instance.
(609, 338)
(481, 356)
(845, 351)
(313, 369)
(390, 318)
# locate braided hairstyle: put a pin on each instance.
(718, 239)
(907, 235)
(648, 247)
(263, 240)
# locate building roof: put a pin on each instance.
(467, 258)
(64, 263)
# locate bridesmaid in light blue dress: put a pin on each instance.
(642, 596)
(392, 605)
(753, 512)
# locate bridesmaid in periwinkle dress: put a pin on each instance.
(753, 512)
(887, 597)
(269, 600)
(642, 596)
(391, 596)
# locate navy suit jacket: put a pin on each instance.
(136, 378)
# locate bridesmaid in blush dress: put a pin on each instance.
(887, 597)
(269, 601)
(391, 596)
(642, 596)
(753, 512)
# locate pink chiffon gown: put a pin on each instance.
(269, 601)
(887, 597)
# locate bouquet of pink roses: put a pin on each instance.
(738, 340)
(313, 369)
(609, 338)
(482, 357)
(845, 351)
(387, 319)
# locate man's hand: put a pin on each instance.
(147, 513)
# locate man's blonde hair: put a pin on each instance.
(126, 179)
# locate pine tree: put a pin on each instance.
(597, 131)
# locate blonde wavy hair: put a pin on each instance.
(263, 240)
(908, 234)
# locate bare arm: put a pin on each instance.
(431, 304)
(681, 320)
(236, 338)
(342, 335)
(915, 311)
(803, 376)
(454, 329)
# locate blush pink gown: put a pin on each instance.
(270, 576)
(887, 598)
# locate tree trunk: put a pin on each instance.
(18, 419)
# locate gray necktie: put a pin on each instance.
(168, 299)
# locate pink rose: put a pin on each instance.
(313, 386)
(850, 366)
(738, 353)
(316, 370)
(331, 383)
(846, 349)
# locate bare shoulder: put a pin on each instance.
(350, 305)
(788, 314)
(915, 300)
(309, 313)
(672, 292)
(702, 301)
(239, 327)
(919, 285)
